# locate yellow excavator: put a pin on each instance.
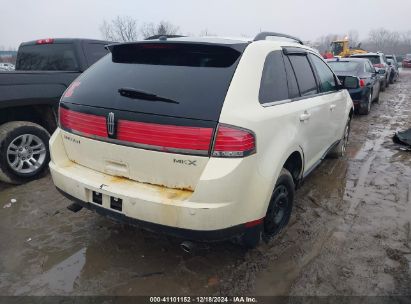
(341, 48)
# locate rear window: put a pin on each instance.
(344, 66)
(408, 56)
(373, 59)
(188, 80)
(47, 57)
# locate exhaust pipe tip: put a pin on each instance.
(187, 246)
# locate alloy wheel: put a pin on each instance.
(26, 154)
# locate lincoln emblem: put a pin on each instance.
(110, 124)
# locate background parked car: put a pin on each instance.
(394, 58)
(379, 61)
(406, 62)
(5, 66)
(366, 89)
(395, 73)
(29, 98)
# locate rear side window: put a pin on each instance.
(94, 52)
(304, 73)
(273, 85)
(293, 90)
(47, 57)
(327, 80)
(369, 68)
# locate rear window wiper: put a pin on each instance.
(138, 94)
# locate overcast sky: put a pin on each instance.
(23, 20)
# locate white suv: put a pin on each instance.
(204, 139)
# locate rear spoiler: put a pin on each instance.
(240, 47)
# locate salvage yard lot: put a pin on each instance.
(349, 233)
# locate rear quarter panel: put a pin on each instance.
(276, 127)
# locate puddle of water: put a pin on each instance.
(59, 279)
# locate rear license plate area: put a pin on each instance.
(116, 203)
(97, 198)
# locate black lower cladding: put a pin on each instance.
(187, 234)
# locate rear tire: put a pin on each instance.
(24, 151)
(339, 150)
(392, 79)
(278, 212)
(367, 109)
(377, 99)
(383, 86)
(281, 205)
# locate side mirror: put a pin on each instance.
(350, 82)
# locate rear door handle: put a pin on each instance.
(305, 116)
(332, 107)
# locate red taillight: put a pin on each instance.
(170, 138)
(362, 83)
(233, 142)
(84, 124)
(229, 141)
(45, 41)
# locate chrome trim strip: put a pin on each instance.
(140, 146)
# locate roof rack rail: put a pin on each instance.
(264, 35)
(163, 37)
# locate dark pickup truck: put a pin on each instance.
(29, 99)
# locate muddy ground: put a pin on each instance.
(349, 234)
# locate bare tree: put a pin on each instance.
(354, 38)
(406, 39)
(162, 28)
(384, 40)
(120, 29)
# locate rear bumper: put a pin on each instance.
(181, 217)
(187, 234)
(359, 97)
